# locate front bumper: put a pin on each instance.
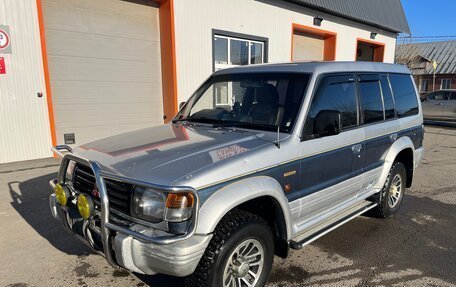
(136, 247)
(177, 259)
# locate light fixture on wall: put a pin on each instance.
(317, 21)
(373, 35)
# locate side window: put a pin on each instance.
(437, 96)
(404, 95)
(452, 96)
(388, 101)
(335, 93)
(371, 98)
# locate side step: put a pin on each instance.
(330, 224)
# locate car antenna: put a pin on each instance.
(278, 137)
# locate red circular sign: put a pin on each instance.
(4, 39)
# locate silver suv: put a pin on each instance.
(260, 159)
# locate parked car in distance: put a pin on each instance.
(259, 160)
(440, 106)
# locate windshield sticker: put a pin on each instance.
(226, 152)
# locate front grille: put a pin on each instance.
(119, 193)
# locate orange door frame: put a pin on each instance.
(47, 80)
(379, 49)
(330, 40)
(168, 59)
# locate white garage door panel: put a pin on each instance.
(307, 48)
(90, 91)
(103, 47)
(71, 68)
(104, 60)
(96, 17)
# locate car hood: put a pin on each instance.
(171, 153)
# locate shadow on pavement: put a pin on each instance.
(31, 200)
(418, 242)
(161, 280)
(32, 204)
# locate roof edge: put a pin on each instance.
(335, 13)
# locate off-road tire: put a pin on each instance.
(383, 210)
(235, 227)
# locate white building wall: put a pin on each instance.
(194, 22)
(24, 121)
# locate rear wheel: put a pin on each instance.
(392, 193)
(240, 253)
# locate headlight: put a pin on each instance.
(148, 204)
(155, 206)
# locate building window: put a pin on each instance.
(231, 51)
(424, 87)
(446, 84)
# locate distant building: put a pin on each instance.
(420, 58)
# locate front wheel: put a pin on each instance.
(240, 253)
(392, 193)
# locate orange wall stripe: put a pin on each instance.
(46, 72)
(168, 59)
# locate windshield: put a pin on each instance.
(253, 101)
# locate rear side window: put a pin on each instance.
(371, 98)
(404, 95)
(453, 96)
(387, 97)
(336, 93)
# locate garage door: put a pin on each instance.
(307, 47)
(104, 63)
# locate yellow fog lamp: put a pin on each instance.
(61, 194)
(85, 206)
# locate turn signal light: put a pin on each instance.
(85, 206)
(179, 200)
(61, 194)
(179, 206)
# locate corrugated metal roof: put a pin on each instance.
(444, 53)
(386, 14)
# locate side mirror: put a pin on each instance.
(328, 123)
(181, 105)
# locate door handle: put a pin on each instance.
(393, 137)
(439, 104)
(356, 149)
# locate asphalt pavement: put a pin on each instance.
(417, 247)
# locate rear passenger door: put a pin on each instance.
(331, 166)
(380, 126)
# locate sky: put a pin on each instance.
(431, 17)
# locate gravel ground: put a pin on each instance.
(417, 247)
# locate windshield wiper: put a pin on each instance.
(202, 120)
(250, 126)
